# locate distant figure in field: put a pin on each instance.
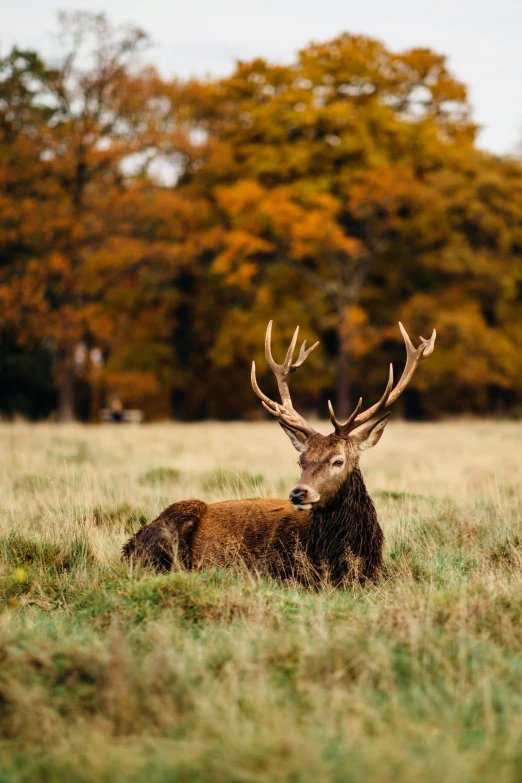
(117, 411)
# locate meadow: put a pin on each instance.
(110, 673)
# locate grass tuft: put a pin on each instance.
(161, 476)
(123, 516)
(239, 481)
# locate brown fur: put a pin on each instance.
(337, 542)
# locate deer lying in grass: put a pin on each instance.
(329, 523)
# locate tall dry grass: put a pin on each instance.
(111, 674)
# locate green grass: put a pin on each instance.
(161, 476)
(113, 674)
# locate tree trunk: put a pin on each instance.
(343, 375)
(66, 391)
(95, 403)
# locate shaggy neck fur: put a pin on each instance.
(345, 537)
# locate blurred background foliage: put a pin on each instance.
(149, 229)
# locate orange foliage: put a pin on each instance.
(164, 223)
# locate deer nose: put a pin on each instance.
(297, 495)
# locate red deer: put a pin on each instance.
(329, 517)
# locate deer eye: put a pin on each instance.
(338, 463)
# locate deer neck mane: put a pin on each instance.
(346, 526)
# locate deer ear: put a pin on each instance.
(297, 438)
(370, 435)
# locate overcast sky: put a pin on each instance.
(482, 38)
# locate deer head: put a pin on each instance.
(327, 460)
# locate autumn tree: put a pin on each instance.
(165, 223)
(24, 222)
(88, 131)
(290, 152)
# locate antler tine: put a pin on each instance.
(281, 371)
(337, 424)
(268, 350)
(287, 364)
(429, 345)
(289, 354)
(343, 430)
(413, 357)
(262, 396)
(303, 354)
(285, 411)
(292, 420)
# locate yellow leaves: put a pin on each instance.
(317, 235)
(101, 322)
(354, 320)
(234, 261)
(342, 185)
(471, 354)
(281, 220)
(383, 190)
(242, 197)
(164, 215)
(281, 211)
(354, 317)
(117, 253)
(57, 263)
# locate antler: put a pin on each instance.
(285, 411)
(413, 358)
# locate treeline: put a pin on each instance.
(149, 229)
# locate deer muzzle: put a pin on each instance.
(303, 497)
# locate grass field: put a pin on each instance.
(109, 674)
